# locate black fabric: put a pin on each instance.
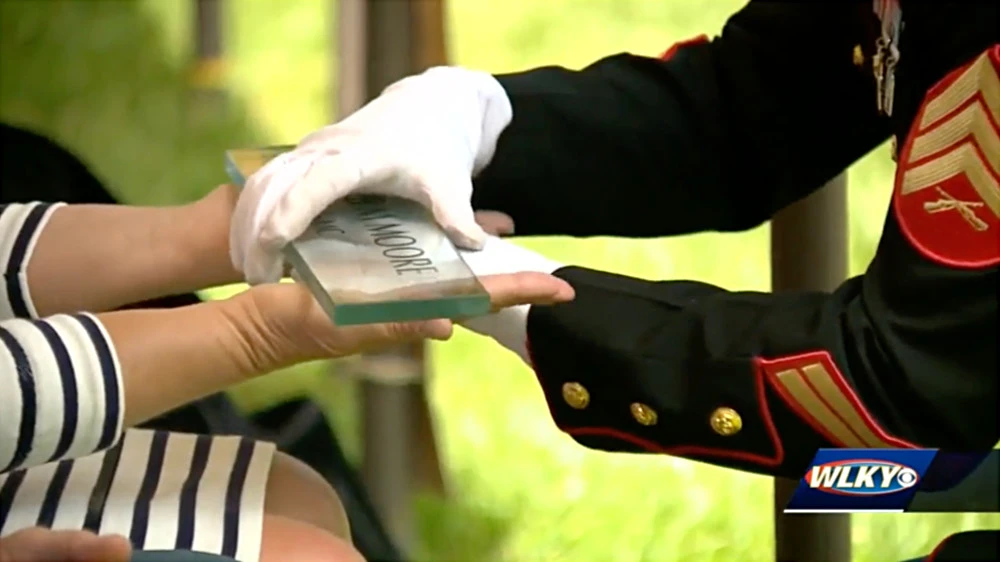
(719, 137)
(970, 546)
(35, 168)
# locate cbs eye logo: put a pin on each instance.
(907, 477)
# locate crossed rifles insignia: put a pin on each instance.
(964, 208)
(947, 196)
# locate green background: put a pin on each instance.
(107, 79)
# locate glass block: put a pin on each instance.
(370, 259)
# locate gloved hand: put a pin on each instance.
(508, 326)
(424, 139)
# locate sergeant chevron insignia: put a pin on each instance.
(947, 192)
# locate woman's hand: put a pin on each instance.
(286, 325)
(45, 545)
(166, 358)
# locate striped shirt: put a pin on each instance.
(163, 491)
(64, 462)
(60, 381)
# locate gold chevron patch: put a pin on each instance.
(947, 196)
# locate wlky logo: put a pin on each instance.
(861, 477)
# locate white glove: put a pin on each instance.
(509, 327)
(424, 139)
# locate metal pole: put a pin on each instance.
(809, 252)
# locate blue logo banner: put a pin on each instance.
(857, 480)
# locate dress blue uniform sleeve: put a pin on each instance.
(719, 137)
(713, 135)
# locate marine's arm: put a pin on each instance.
(760, 381)
(65, 258)
(904, 355)
(718, 136)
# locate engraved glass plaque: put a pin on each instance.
(370, 259)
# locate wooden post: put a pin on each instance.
(809, 252)
(352, 55)
(380, 42)
(207, 76)
(428, 47)
(430, 38)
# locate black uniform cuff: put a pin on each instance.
(621, 371)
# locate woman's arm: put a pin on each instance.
(69, 384)
(66, 258)
(72, 382)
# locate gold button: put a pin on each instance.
(726, 422)
(643, 414)
(858, 56)
(575, 395)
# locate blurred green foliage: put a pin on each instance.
(108, 79)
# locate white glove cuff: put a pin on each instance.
(500, 256)
(509, 327)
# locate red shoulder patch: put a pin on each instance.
(947, 189)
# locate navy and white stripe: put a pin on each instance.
(162, 490)
(62, 391)
(20, 226)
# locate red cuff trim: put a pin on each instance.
(810, 384)
(687, 451)
(669, 53)
(531, 358)
(937, 549)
